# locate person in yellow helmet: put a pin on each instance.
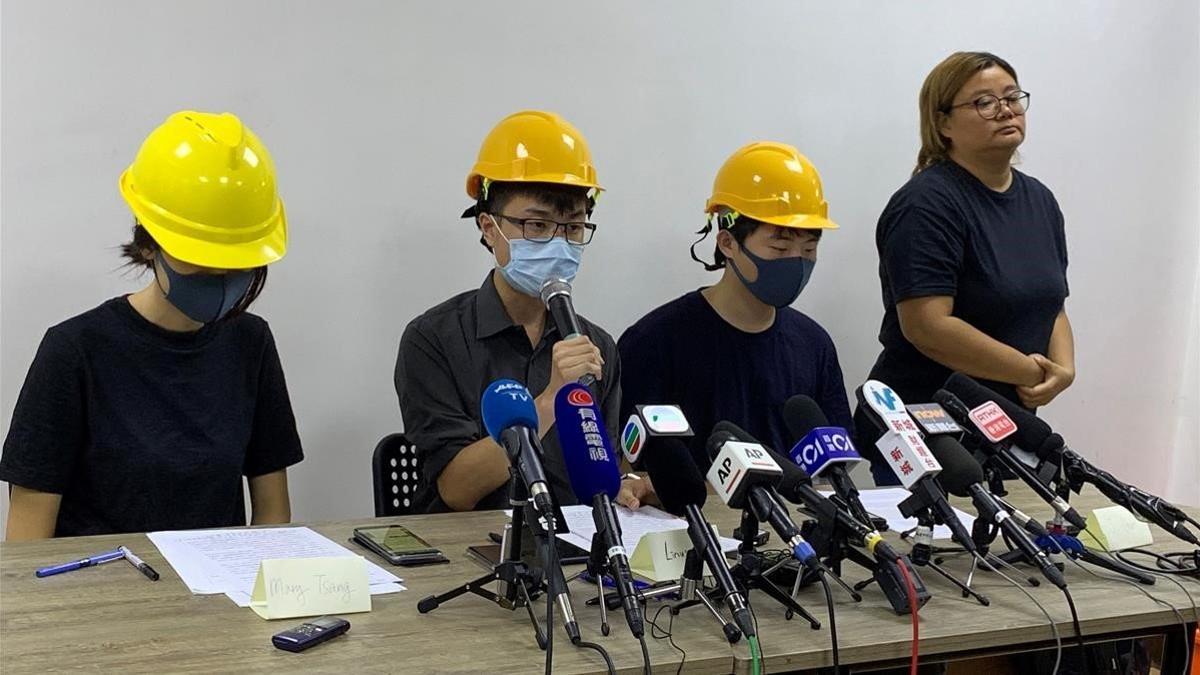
(534, 187)
(146, 412)
(737, 350)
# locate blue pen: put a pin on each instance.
(99, 558)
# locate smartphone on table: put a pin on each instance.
(398, 545)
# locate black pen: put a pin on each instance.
(140, 564)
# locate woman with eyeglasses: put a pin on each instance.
(972, 252)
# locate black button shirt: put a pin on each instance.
(450, 354)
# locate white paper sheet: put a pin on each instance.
(227, 561)
(634, 524)
(885, 502)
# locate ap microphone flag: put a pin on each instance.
(586, 449)
(823, 447)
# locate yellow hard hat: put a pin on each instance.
(773, 183)
(533, 146)
(203, 185)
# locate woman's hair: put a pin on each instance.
(937, 95)
(138, 254)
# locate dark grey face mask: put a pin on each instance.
(206, 297)
(780, 280)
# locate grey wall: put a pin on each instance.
(374, 110)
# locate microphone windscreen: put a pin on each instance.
(722, 433)
(554, 287)
(1031, 429)
(507, 403)
(801, 414)
(959, 468)
(677, 480)
(586, 449)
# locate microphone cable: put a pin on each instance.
(1058, 648)
(553, 559)
(1087, 666)
(1162, 574)
(666, 633)
(1187, 653)
(912, 610)
(837, 667)
(645, 655)
(756, 655)
(1182, 563)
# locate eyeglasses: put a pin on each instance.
(988, 105)
(541, 231)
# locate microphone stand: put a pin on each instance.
(922, 546)
(692, 592)
(1062, 540)
(518, 583)
(831, 541)
(750, 572)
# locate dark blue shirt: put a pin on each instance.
(1002, 256)
(684, 353)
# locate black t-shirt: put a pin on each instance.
(142, 429)
(684, 353)
(1002, 256)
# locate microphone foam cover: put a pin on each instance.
(507, 403)
(801, 414)
(959, 468)
(586, 449)
(676, 478)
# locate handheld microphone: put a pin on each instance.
(1033, 433)
(962, 476)
(556, 295)
(822, 450)
(910, 458)
(511, 419)
(745, 475)
(991, 426)
(594, 476)
(682, 493)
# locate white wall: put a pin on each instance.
(374, 111)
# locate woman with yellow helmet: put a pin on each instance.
(737, 350)
(146, 412)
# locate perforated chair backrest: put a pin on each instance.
(396, 475)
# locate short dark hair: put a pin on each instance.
(135, 253)
(559, 197)
(741, 229)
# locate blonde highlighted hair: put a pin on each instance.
(937, 95)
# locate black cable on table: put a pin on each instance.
(1087, 665)
(832, 622)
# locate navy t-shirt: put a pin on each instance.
(684, 353)
(142, 429)
(1002, 256)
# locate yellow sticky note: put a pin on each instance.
(291, 587)
(1116, 529)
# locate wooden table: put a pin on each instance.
(110, 617)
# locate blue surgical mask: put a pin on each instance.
(780, 280)
(531, 264)
(206, 297)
